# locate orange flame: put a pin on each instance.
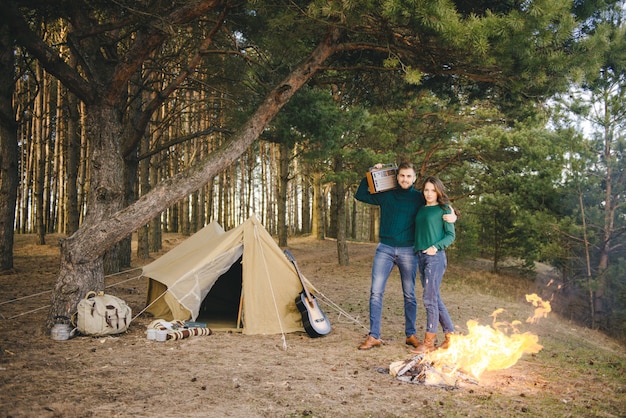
(543, 308)
(483, 349)
(487, 348)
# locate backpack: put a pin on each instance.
(100, 314)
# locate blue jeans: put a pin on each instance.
(384, 259)
(431, 268)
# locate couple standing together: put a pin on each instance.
(415, 229)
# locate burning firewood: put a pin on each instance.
(419, 370)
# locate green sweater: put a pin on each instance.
(398, 208)
(431, 229)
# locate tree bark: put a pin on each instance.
(353, 224)
(306, 197)
(317, 227)
(340, 215)
(589, 277)
(40, 141)
(600, 307)
(374, 224)
(8, 152)
(283, 179)
(72, 164)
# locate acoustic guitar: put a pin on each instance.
(315, 322)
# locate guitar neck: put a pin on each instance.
(293, 261)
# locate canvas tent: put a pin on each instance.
(235, 279)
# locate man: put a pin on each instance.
(398, 208)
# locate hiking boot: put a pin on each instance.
(446, 343)
(412, 340)
(427, 346)
(370, 342)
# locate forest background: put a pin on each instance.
(149, 117)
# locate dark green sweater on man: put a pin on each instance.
(398, 208)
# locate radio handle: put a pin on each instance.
(385, 166)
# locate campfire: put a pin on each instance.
(483, 348)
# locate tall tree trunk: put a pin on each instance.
(600, 300)
(155, 228)
(131, 168)
(293, 203)
(8, 152)
(283, 180)
(353, 224)
(332, 212)
(374, 222)
(306, 199)
(318, 227)
(50, 106)
(40, 170)
(250, 201)
(592, 305)
(143, 251)
(496, 244)
(57, 196)
(83, 172)
(29, 162)
(340, 215)
(210, 200)
(272, 193)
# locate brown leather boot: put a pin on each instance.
(427, 346)
(446, 343)
(370, 342)
(412, 340)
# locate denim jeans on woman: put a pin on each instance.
(431, 268)
(385, 258)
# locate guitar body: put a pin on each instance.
(314, 320)
(315, 323)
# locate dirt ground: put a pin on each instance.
(578, 373)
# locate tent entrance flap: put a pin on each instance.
(221, 307)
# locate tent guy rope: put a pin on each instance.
(325, 299)
(49, 291)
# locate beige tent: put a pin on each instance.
(238, 279)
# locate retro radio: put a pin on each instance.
(382, 179)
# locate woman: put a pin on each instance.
(432, 237)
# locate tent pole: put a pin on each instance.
(240, 309)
